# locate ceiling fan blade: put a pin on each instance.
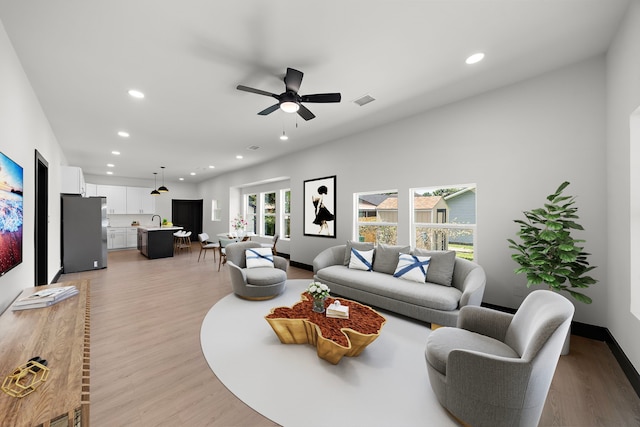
(258, 91)
(293, 79)
(321, 97)
(305, 113)
(269, 110)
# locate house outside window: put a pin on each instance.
(444, 218)
(377, 217)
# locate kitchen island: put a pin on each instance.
(156, 242)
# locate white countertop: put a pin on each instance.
(156, 228)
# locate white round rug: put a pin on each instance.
(387, 385)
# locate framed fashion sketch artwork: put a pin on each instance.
(320, 207)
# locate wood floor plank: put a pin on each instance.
(147, 367)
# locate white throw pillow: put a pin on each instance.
(361, 260)
(412, 267)
(259, 257)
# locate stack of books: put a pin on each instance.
(338, 311)
(44, 298)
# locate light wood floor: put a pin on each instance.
(147, 368)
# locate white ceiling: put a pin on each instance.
(82, 57)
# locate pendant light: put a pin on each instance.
(163, 189)
(155, 182)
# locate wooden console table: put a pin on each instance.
(60, 334)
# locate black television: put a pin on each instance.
(11, 175)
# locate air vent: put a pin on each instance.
(363, 100)
(253, 148)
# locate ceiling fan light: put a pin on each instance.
(289, 107)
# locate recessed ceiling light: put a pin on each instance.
(117, 153)
(136, 93)
(180, 179)
(211, 167)
(475, 58)
(192, 174)
(239, 157)
(109, 173)
(110, 165)
(123, 134)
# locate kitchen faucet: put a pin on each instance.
(159, 220)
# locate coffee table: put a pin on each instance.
(333, 338)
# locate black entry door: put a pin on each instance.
(187, 214)
(41, 220)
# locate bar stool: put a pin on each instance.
(177, 240)
(185, 242)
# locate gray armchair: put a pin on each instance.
(495, 368)
(255, 283)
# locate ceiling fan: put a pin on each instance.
(289, 100)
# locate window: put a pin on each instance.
(251, 212)
(215, 211)
(377, 219)
(267, 209)
(285, 228)
(444, 218)
(269, 213)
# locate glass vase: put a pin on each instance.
(318, 304)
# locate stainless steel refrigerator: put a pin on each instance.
(84, 233)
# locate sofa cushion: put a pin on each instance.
(441, 343)
(386, 259)
(361, 260)
(265, 276)
(437, 297)
(412, 267)
(259, 257)
(440, 267)
(361, 246)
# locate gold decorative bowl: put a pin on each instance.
(333, 338)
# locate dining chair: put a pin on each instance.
(223, 253)
(206, 245)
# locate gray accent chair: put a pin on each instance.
(495, 368)
(255, 283)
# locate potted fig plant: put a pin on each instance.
(548, 253)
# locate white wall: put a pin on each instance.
(518, 144)
(24, 129)
(623, 97)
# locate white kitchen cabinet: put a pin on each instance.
(72, 180)
(116, 238)
(116, 198)
(91, 190)
(140, 201)
(132, 237)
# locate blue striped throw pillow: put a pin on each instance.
(361, 260)
(412, 267)
(259, 257)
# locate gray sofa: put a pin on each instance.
(451, 282)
